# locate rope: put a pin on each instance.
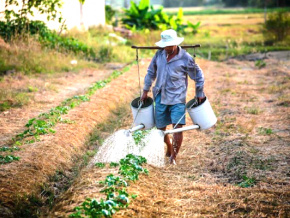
(137, 59)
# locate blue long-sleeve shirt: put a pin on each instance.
(172, 77)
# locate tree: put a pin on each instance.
(27, 7)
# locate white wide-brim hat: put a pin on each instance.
(169, 38)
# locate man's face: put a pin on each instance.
(169, 49)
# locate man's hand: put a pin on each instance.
(200, 99)
(144, 95)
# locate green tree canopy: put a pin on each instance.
(27, 7)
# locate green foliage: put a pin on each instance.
(115, 189)
(5, 106)
(105, 53)
(247, 182)
(4, 159)
(277, 25)
(110, 13)
(194, 27)
(54, 41)
(32, 89)
(112, 164)
(265, 131)
(11, 149)
(139, 135)
(138, 17)
(47, 37)
(27, 7)
(260, 64)
(8, 159)
(100, 165)
(145, 17)
(131, 167)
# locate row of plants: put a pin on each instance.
(4, 159)
(45, 122)
(114, 187)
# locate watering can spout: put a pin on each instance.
(170, 131)
(135, 128)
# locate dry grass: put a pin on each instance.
(215, 164)
(228, 19)
(50, 91)
(57, 152)
(27, 56)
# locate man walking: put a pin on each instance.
(170, 67)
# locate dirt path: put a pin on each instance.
(249, 146)
(250, 141)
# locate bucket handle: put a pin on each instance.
(184, 114)
(139, 107)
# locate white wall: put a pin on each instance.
(93, 14)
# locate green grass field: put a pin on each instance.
(223, 33)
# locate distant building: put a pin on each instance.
(91, 13)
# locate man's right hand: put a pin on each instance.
(144, 95)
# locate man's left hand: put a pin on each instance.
(200, 99)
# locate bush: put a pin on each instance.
(277, 25)
(110, 13)
(20, 28)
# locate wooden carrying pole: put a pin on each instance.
(156, 47)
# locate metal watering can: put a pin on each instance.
(201, 115)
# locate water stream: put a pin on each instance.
(121, 143)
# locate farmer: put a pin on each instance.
(170, 67)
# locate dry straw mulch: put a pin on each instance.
(58, 152)
(250, 140)
(51, 91)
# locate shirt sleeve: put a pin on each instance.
(196, 74)
(151, 74)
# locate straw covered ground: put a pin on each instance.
(239, 168)
(25, 183)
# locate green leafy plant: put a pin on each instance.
(100, 165)
(131, 167)
(11, 149)
(260, 64)
(115, 189)
(247, 182)
(8, 159)
(144, 16)
(112, 164)
(265, 131)
(194, 27)
(139, 135)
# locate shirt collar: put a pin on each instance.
(176, 57)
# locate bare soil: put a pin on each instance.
(249, 141)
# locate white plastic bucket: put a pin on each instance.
(201, 115)
(145, 115)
